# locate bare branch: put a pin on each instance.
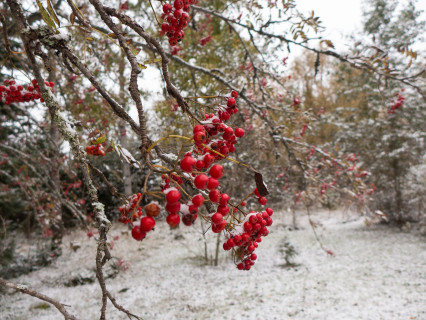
(26, 290)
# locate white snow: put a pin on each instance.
(375, 273)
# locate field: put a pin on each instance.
(374, 273)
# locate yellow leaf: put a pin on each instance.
(52, 13)
(72, 18)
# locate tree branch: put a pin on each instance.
(26, 290)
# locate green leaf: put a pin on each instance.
(99, 140)
(45, 16)
(135, 51)
(52, 13)
(151, 61)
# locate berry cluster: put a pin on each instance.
(177, 18)
(397, 104)
(96, 150)
(247, 235)
(206, 150)
(10, 92)
(131, 210)
(146, 225)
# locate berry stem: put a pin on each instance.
(155, 15)
(166, 137)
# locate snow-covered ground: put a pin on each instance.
(375, 273)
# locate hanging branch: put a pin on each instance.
(361, 65)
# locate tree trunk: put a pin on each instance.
(216, 258)
(398, 193)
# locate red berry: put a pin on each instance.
(231, 102)
(165, 27)
(217, 218)
(223, 209)
(269, 211)
(253, 219)
(198, 200)
(208, 158)
(193, 209)
(200, 137)
(214, 195)
(247, 226)
(189, 219)
(245, 237)
(147, 224)
(173, 196)
(199, 164)
(201, 181)
(224, 198)
(178, 4)
(173, 41)
(239, 132)
(231, 242)
(215, 228)
(137, 233)
(216, 171)
(221, 226)
(234, 94)
(253, 256)
(167, 8)
(229, 131)
(173, 219)
(262, 200)
(212, 183)
(177, 14)
(224, 116)
(226, 247)
(264, 231)
(187, 164)
(198, 128)
(184, 17)
(173, 207)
